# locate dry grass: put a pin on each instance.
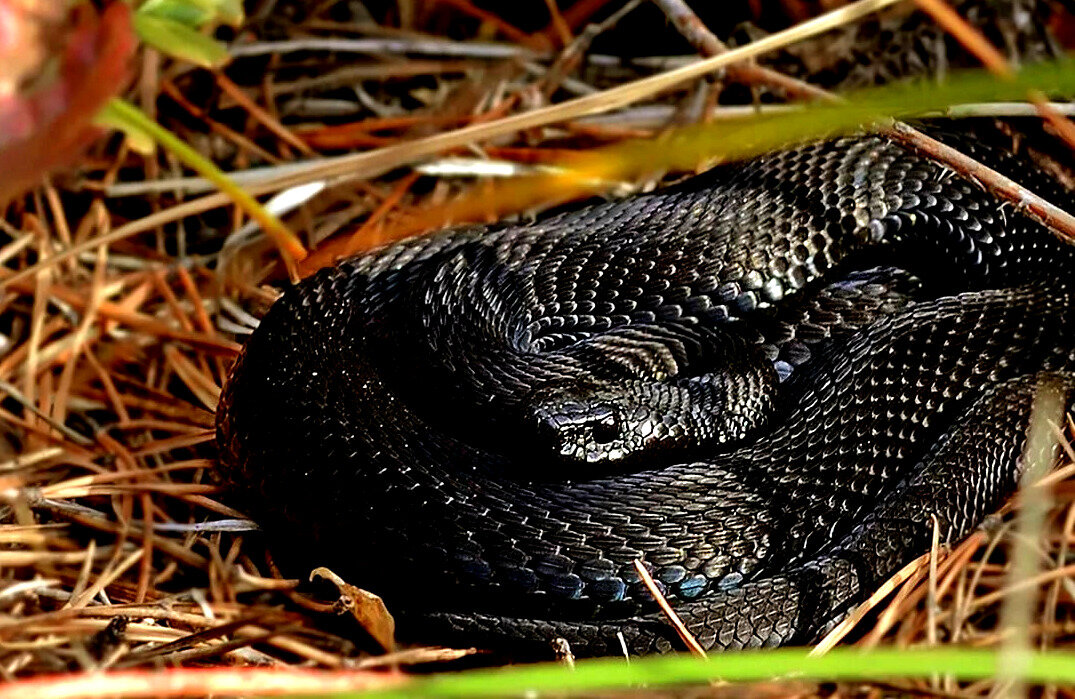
(117, 549)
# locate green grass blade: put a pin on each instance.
(734, 139)
(128, 118)
(844, 664)
(684, 149)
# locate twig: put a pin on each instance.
(971, 39)
(574, 51)
(106, 579)
(25, 402)
(557, 24)
(428, 47)
(707, 44)
(1057, 220)
(681, 629)
(352, 74)
(581, 11)
(931, 586)
(505, 28)
(114, 311)
(266, 119)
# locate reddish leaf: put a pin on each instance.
(47, 126)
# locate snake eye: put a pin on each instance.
(605, 431)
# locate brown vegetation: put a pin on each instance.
(118, 551)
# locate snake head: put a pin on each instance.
(637, 422)
(581, 431)
(596, 428)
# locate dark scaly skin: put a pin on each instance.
(382, 415)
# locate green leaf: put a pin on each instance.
(230, 12)
(180, 41)
(867, 109)
(190, 13)
(196, 14)
(138, 138)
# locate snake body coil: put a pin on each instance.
(762, 383)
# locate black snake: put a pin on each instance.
(762, 383)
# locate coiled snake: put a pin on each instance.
(762, 383)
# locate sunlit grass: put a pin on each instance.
(843, 664)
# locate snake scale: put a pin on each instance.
(762, 382)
